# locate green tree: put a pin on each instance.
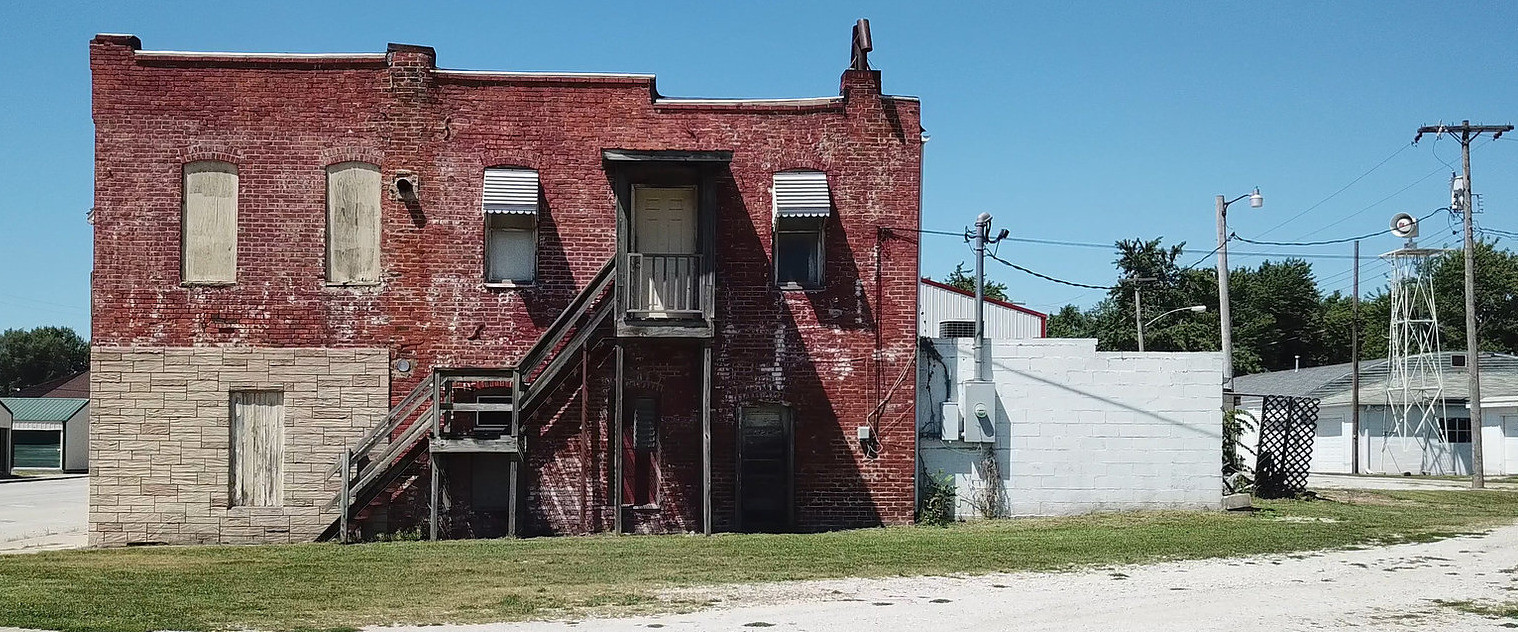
(1278, 316)
(1496, 297)
(1169, 287)
(963, 280)
(29, 357)
(1071, 322)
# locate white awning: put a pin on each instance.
(802, 194)
(511, 191)
(55, 426)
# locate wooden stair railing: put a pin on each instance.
(365, 475)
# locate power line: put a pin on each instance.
(1204, 258)
(1047, 277)
(1113, 247)
(1341, 190)
(1383, 200)
(1324, 242)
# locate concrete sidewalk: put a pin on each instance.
(44, 513)
(1372, 481)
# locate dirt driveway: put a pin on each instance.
(1392, 588)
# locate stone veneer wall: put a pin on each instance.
(160, 433)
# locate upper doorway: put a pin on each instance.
(665, 260)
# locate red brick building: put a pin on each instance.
(585, 305)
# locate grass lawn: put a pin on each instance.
(334, 586)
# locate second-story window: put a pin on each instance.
(511, 225)
(208, 224)
(802, 207)
(353, 223)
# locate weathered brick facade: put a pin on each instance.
(831, 355)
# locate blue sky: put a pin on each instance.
(1079, 122)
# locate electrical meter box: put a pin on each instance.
(951, 422)
(978, 407)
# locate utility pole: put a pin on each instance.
(1225, 318)
(979, 240)
(1466, 133)
(1138, 308)
(1354, 363)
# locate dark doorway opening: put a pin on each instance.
(764, 469)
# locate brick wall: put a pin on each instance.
(159, 446)
(1079, 430)
(831, 354)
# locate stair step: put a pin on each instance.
(491, 407)
(502, 445)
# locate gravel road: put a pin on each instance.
(1390, 588)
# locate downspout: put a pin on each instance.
(916, 287)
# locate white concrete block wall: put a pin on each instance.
(1080, 430)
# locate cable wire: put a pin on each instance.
(1324, 242)
(1047, 277)
(1341, 190)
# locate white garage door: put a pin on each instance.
(1330, 448)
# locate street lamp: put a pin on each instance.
(1142, 324)
(1255, 201)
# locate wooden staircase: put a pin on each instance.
(423, 422)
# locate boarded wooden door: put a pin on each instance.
(258, 448)
(764, 469)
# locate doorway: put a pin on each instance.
(666, 264)
(765, 469)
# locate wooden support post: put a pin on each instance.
(432, 460)
(513, 523)
(616, 455)
(345, 463)
(585, 439)
(706, 438)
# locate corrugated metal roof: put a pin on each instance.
(42, 408)
(938, 303)
(1331, 384)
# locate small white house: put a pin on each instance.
(1386, 445)
(49, 432)
(944, 311)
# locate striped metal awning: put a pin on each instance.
(802, 194)
(511, 191)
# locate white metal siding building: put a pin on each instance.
(938, 303)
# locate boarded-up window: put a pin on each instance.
(208, 229)
(645, 423)
(353, 223)
(258, 448)
(640, 453)
(510, 200)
